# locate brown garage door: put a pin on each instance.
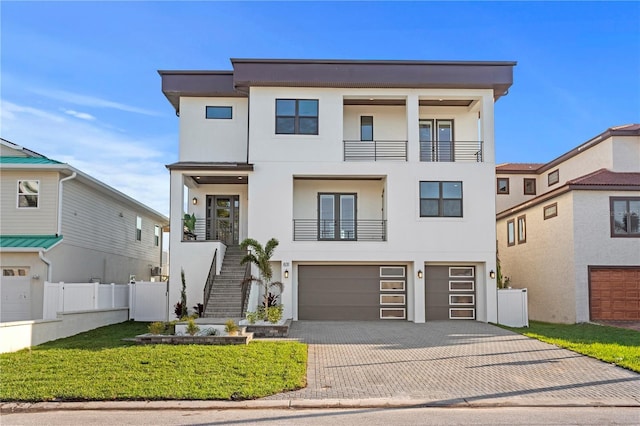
(614, 294)
(349, 292)
(449, 292)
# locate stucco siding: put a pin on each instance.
(544, 264)
(626, 153)
(41, 220)
(593, 243)
(516, 193)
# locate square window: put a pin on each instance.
(28, 193)
(625, 216)
(503, 185)
(553, 177)
(219, 112)
(441, 199)
(296, 116)
(529, 186)
(550, 211)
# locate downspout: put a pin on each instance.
(73, 175)
(48, 262)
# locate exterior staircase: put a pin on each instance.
(225, 296)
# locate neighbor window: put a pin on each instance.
(297, 116)
(366, 128)
(138, 228)
(503, 185)
(553, 177)
(625, 216)
(156, 235)
(550, 211)
(442, 199)
(511, 233)
(529, 186)
(219, 112)
(28, 193)
(522, 229)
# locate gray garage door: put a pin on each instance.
(450, 292)
(351, 292)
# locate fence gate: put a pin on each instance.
(149, 301)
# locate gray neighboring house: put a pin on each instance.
(60, 224)
(568, 230)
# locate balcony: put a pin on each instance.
(339, 230)
(217, 230)
(452, 151)
(380, 150)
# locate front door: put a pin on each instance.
(223, 212)
(337, 217)
(436, 143)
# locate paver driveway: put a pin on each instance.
(448, 362)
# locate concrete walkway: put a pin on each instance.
(450, 363)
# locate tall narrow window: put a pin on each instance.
(138, 228)
(503, 185)
(511, 233)
(366, 128)
(297, 116)
(522, 229)
(441, 199)
(28, 193)
(625, 216)
(156, 235)
(337, 217)
(529, 186)
(553, 177)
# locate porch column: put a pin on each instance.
(413, 133)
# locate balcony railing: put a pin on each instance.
(202, 232)
(458, 151)
(375, 150)
(339, 230)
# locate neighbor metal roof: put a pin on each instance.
(27, 160)
(29, 241)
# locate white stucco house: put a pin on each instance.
(60, 224)
(376, 177)
(568, 230)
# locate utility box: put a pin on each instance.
(512, 307)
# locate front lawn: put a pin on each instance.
(98, 365)
(615, 345)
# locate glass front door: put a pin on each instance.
(436, 141)
(223, 213)
(337, 217)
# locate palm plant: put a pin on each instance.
(261, 257)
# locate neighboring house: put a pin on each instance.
(376, 177)
(60, 224)
(568, 230)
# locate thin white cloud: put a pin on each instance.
(132, 165)
(80, 115)
(89, 101)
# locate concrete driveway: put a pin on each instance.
(451, 362)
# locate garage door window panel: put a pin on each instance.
(392, 299)
(461, 286)
(393, 313)
(391, 285)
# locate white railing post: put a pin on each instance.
(132, 301)
(60, 297)
(96, 291)
(113, 295)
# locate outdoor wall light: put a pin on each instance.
(195, 200)
(492, 274)
(286, 273)
(419, 273)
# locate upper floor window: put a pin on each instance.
(156, 235)
(553, 177)
(503, 185)
(550, 211)
(522, 229)
(625, 216)
(529, 186)
(219, 112)
(366, 128)
(138, 228)
(297, 116)
(440, 199)
(28, 193)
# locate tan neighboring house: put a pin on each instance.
(568, 230)
(60, 224)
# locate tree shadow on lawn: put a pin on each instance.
(106, 337)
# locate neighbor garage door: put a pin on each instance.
(449, 292)
(351, 292)
(614, 294)
(15, 294)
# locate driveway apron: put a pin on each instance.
(449, 362)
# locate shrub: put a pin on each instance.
(157, 327)
(274, 314)
(270, 301)
(230, 326)
(252, 317)
(177, 309)
(192, 327)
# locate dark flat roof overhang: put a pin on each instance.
(210, 166)
(198, 83)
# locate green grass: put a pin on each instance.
(610, 344)
(98, 365)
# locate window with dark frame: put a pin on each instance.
(511, 233)
(553, 177)
(529, 186)
(28, 193)
(440, 199)
(296, 116)
(138, 228)
(550, 211)
(219, 112)
(625, 217)
(522, 229)
(366, 128)
(156, 235)
(502, 185)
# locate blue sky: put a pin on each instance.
(79, 81)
